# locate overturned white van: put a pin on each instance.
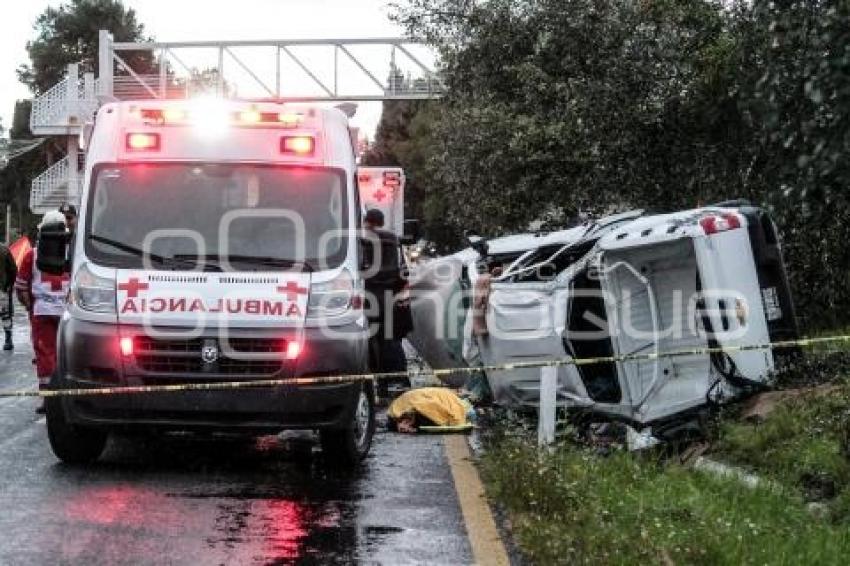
(625, 286)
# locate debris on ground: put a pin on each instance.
(758, 407)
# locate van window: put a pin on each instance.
(235, 212)
(588, 336)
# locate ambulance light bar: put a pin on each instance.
(143, 142)
(297, 145)
(250, 116)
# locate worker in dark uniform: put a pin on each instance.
(69, 211)
(384, 290)
(8, 273)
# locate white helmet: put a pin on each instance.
(51, 217)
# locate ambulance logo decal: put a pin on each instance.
(140, 296)
(209, 352)
(133, 286)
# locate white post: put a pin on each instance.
(88, 86)
(72, 192)
(220, 82)
(163, 76)
(277, 71)
(104, 62)
(8, 223)
(72, 93)
(547, 406)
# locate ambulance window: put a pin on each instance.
(251, 211)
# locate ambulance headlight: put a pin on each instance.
(334, 297)
(91, 292)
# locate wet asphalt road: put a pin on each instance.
(194, 500)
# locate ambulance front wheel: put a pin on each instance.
(72, 444)
(348, 446)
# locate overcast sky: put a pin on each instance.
(188, 20)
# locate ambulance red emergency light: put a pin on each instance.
(217, 241)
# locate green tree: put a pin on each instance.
(403, 139)
(69, 34)
(795, 77)
(556, 108)
(561, 107)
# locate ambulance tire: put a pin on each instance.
(347, 447)
(72, 444)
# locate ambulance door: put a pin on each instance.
(382, 188)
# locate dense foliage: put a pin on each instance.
(65, 34)
(557, 109)
(69, 34)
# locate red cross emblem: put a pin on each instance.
(379, 195)
(292, 290)
(55, 281)
(133, 286)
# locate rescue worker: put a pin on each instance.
(69, 211)
(43, 295)
(383, 287)
(8, 274)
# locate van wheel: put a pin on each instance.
(348, 446)
(72, 444)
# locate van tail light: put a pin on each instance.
(719, 223)
(143, 142)
(297, 145)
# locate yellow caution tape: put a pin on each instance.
(438, 373)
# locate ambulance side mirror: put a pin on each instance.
(411, 232)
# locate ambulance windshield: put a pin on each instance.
(250, 215)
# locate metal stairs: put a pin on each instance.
(58, 184)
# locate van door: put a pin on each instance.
(650, 293)
(382, 188)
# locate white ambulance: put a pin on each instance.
(382, 188)
(217, 241)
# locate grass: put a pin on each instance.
(574, 507)
(804, 445)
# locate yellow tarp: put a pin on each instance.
(439, 405)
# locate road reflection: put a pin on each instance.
(190, 499)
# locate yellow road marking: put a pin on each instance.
(487, 545)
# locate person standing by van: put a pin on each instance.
(69, 211)
(8, 274)
(384, 287)
(43, 295)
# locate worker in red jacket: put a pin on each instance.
(43, 295)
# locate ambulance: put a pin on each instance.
(382, 188)
(218, 241)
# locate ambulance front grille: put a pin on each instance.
(182, 356)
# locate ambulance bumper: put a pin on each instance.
(90, 357)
